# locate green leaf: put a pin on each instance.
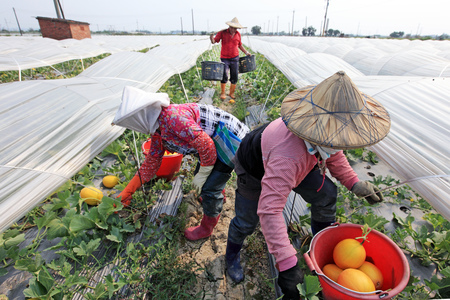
(113, 286)
(374, 221)
(100, 291)
(68, 217)
(35, 289)
(80, 223)
(310, 287)
(446, 272)
(58, 203)
(29, 264)
(10, 234)
(87, 249)
(3, 271)
(98, 219)
(115, 235)
(127, 228)
(56, 228)
(76, 279)
(42, 221)
(45, 278)
(107, 206)
(14, 241)
(3, 253)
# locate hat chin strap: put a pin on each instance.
(323, 152)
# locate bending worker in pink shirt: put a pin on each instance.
(293, 153)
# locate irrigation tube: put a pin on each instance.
(262, 109)
(259, 71)
(135, 149)
(182, 84)
(281, 97)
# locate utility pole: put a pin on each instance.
(268, 27)
(325, 18)
(278, 18)
(293, 22)
(20, 30)
(7, 27)
(193, 32)
(58, 12)
(181, 19)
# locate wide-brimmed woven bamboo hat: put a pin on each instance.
(234, 23)
(335, 114)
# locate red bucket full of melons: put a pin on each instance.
(347, 269)
(170, 164)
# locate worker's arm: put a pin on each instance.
(244, 50)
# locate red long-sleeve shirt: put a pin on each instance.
(230, 44)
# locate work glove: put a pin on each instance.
(200, 178)
(367, 190)
(129, 190)
(288, 280)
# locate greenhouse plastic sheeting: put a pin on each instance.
(379, 56)
(20, 53)
(417, 147)
(50, 129)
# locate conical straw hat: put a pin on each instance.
(234, 23)
(335, 114)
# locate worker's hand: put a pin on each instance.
(129, 190)
(288, 280)
(249, 54)
(200, 178)
(211, 37)
(367, 190)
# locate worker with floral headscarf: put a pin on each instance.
(185, 129)
(229, 54)
(292, 153)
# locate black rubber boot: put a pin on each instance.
(233, 260)
(318, 226)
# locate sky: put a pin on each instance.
(357, 17)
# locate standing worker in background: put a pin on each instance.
(293, 153)
(229, 54)
(186, 129)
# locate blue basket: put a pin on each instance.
(212, 70)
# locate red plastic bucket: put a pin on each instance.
(170, 164)
(380, 250)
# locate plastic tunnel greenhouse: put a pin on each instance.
(50, 129)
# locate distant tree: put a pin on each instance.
(443, 37)
(310, 31)
(397, 34)
(333, 32)
(256, 30)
